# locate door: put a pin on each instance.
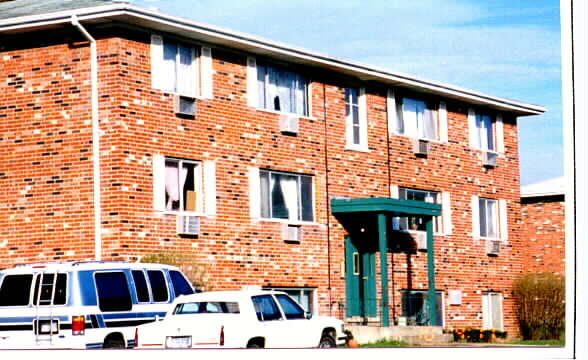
(360, 278)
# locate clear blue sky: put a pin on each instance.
(509, 49)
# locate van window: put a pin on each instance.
(113, 291)
(47, 290)
(158, 285)
(180, 284)
(141, 285)
(16, 290)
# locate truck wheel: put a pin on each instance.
(113, 342)
(327, 341)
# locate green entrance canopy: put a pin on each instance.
(375, 213)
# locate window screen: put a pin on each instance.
(158, 285)
(16, 290)
(113, 291)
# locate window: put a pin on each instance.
(286, 196)
(291, 309)
(281, 90)
(16, 290)
(113, 292)
(140, 286)
(158, 285)
(356, 118)
(266, 308)
(485, 132)
(181, 68)
(207, 307)
(417, 223)
(492, 310)
(180, 284)
(43, 297)
(182, 185)
(303, 296)
(417, 118)
(415, 307)
(488, 218)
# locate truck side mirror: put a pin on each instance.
(307, 315)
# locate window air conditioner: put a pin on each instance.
(188, 225)
(185, 105)
(421, 147)
(289, 124)
(489, 159)
(292, 232)
(421, 239)
(493, 247)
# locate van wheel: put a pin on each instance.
(327, 341)
(255, 344)
(113, 342)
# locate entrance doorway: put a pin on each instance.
(361, 293)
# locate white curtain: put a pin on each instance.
(186, 76)
(173, 185)
(289, 187)
(486, 136)
(430, 123)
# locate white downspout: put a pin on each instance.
(95, 139)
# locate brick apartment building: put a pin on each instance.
(543, 226)
(358, 190)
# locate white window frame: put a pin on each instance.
(356, 122)
(491, 219)
(500, 223)
(401, 126)
(478, 130)
(438, 221)
(201, 69)
(253, 93)
(260, 191)
(202, 199)
(487, 310)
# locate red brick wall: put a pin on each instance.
(47, 211)
(543, 228)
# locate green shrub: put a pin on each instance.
(195, 271)
(541, 304)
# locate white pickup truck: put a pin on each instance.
(239, 319)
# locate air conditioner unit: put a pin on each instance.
(292, 232)
(188, 225)
(185, 105)
(489, 159)
(421, 239)
(421, 147)
(493, 247)
(289, 124)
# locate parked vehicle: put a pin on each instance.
(94, 304)
(240, 319)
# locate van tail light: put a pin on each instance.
(136, 337)
(78, 325)
(222, 336)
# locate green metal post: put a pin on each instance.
(383, 244)
(431, 271)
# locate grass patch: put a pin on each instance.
(386, 343)
(538, 342)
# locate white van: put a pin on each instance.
(83, 304)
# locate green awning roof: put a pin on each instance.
(385, 205)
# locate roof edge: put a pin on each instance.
(360, 70)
